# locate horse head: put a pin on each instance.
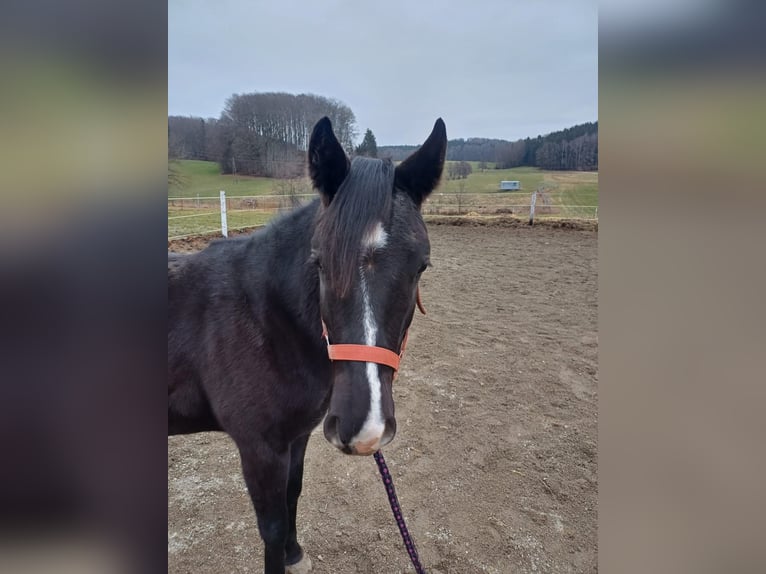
(370, 247)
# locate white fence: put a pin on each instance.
(543, 203)
(222, 214)
(202, 215)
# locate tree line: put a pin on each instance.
(574, 148)
(262, 134)
(267, 134)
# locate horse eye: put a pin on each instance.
(423, 268)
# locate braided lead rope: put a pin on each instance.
(394, 502)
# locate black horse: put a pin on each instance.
(245, 349)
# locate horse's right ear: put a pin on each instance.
(328, 163)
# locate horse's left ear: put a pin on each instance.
(419, 174)
(328, 163)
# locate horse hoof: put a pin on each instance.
(302, 567)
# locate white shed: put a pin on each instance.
(510, 185)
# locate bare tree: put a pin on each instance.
(269, 130)
(186, 137)
(458, 169)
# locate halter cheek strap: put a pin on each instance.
(369, 353)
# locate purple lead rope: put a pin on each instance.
(394, 502)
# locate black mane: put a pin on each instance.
(364, 198)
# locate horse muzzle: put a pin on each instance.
(368, 441)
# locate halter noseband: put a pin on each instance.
(368, 353)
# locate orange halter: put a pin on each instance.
(369, 353)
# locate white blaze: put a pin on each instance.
(374, 425)
(375, 238)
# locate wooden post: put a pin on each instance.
(224, 225)
(532, 208)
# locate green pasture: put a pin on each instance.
(488, 181)
(567, 194)
(203, 179)
(207, 220)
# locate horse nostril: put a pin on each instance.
(331, 432)
(389, 432)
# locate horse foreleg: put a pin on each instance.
(266, 471)
(295, 560)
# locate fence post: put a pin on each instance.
(224, 226)
(532, 208)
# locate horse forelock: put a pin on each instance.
(363, 201)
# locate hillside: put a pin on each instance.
(574, 148)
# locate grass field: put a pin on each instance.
(203, 178)
(194, 221)
(567, 194)
(488, 181)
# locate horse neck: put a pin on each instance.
(290, 279)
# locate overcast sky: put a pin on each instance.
(491, 68)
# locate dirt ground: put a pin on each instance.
(495, 457)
